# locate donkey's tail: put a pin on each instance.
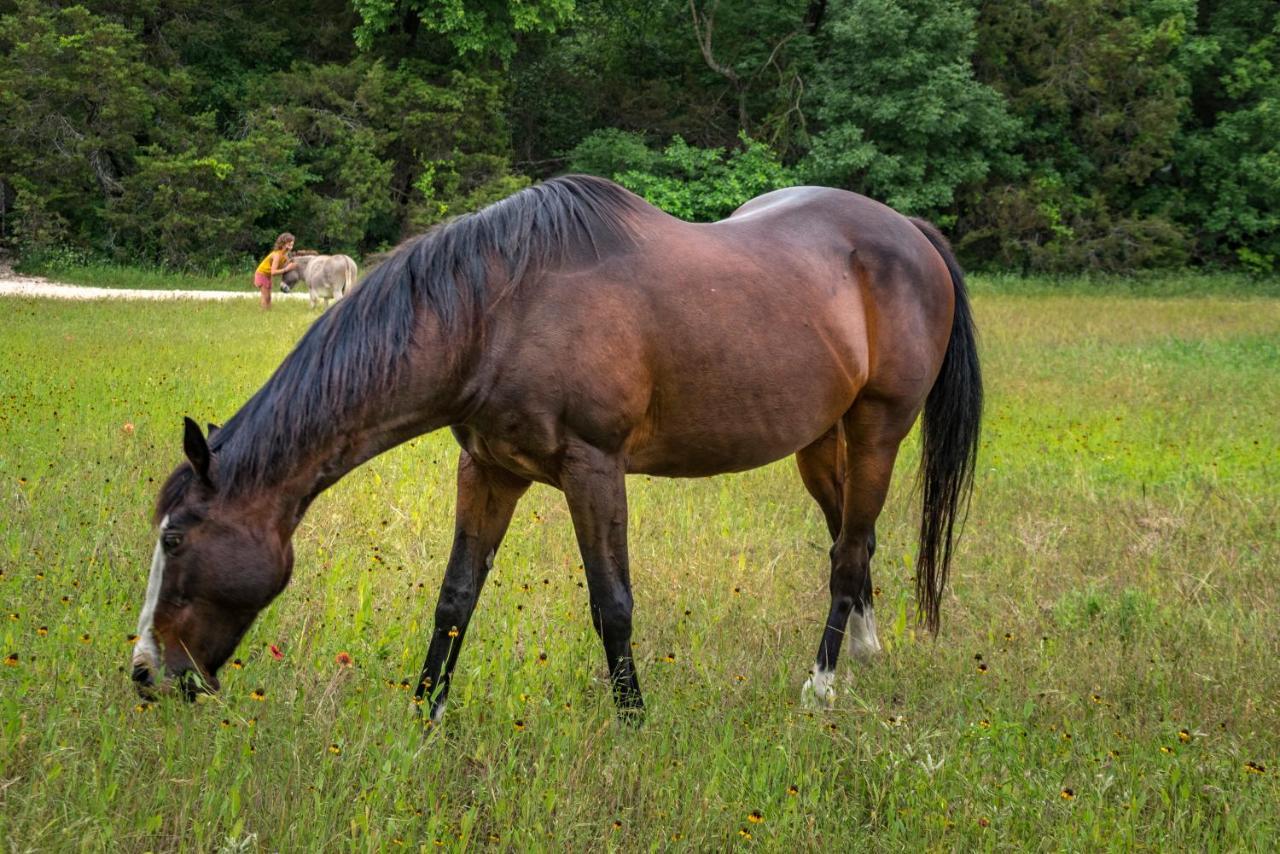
(949, 431)
(348, 276)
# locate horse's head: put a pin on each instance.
(216, 565)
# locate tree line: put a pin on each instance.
(1042, 135)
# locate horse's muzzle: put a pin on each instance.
(144, 680)
(189, 683)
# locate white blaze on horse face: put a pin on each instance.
(819, 689)
(863, 643)
(145, 651)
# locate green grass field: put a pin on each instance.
(1107, 674)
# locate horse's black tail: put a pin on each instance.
(949, 431)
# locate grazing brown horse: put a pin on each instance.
(572, 334)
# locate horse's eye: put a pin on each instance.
(170, 540)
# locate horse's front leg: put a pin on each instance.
(487, 498)
(594, 485)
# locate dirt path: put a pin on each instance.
(14, 285)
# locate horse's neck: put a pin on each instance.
(423, 399)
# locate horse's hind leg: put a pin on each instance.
(873, 430)
(487, 498)
(822, 470)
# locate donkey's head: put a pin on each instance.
(300, 257)
(218, 562)
(291, 277)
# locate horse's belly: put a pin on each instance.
(746, 399)
(717, 434)
(695, 459)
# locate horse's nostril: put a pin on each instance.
(142, 675)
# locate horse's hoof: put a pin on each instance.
(819, 691)
(632, 717)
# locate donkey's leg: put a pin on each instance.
(595, 488)
(487, 497)
(873, 430)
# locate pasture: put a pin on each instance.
(1106, 676)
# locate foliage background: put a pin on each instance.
(1044, 135)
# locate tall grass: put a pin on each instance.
(1185, 283)
(1106, 676)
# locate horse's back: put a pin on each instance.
(804, 216)
(857, 244)
(905, 288)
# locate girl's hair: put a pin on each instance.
(283, 239)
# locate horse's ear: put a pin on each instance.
(197, 449)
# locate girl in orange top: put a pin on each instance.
(276, 263)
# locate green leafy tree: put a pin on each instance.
(611, 151)
(1046, 134)
(1227, 181)
(698, 184)
(1097, 86)
(389, 149)
(75, 95)
(483, 28)
(208, 203)
(703, 69)
(902, 117)
(445, 134)
(323, 115)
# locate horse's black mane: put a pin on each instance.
(357, 348)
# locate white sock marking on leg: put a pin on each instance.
(863, 643)
(437, 714)
(819, 689)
